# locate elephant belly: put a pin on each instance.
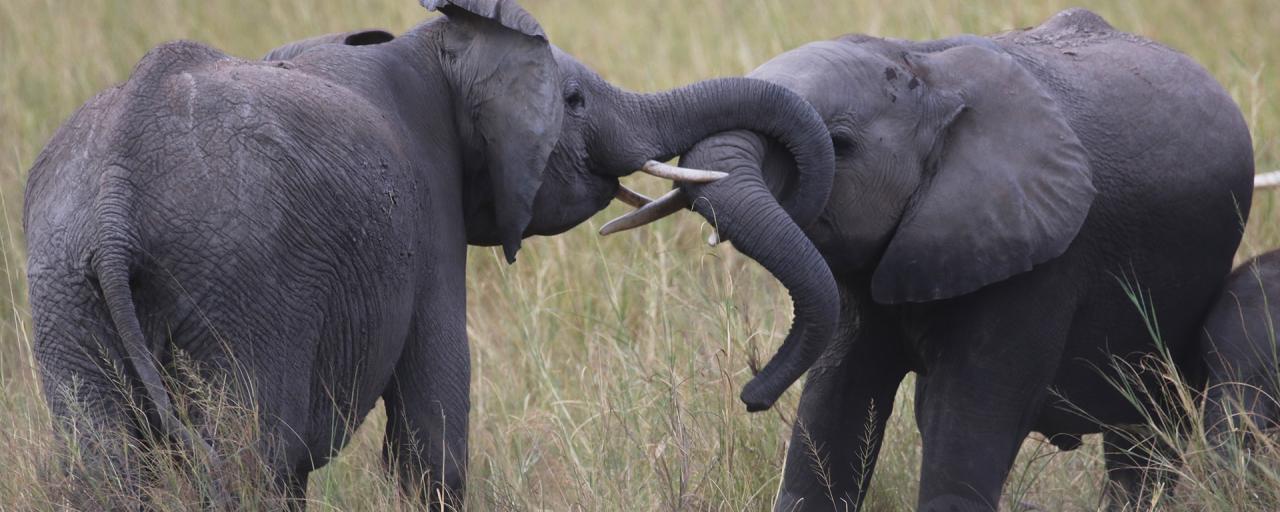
(1150, 284)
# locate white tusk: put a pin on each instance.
(631, 197)
(668, 204)
(1267, 180)
(680, 174)
(714, 239)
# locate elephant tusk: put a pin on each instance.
(668, 204)
(1267, 180)
(680, 174)
(631, 197)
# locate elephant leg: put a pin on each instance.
(990, 362)
(295, 488)
(94, 423)
(90, 394)
(427, 405)
(1137, 470)
(847, 399)
(95, 411)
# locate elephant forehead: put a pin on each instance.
(566, 64)
(838, 76)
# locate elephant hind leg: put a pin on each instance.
(428, 401)
(94, 403)
(96, 440)
(1139, 468)
(295, 488)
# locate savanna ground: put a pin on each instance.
(606, 369)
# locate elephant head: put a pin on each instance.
(545, 139)
(554, 137)
(956, 169)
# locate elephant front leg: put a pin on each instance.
(987, 375)
(847, 399)
(427, 406)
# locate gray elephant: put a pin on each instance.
(1241, 356)
(305, 222)
(1000, 204)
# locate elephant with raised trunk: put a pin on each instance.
(307, 220)
(1000, 204)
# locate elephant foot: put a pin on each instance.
(788, 502)
(1027, 506)
(953, 503)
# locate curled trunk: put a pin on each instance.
(746, 213)
(663, 125)
(741, 206)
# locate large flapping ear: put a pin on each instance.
(505, 78)
(1010, 184)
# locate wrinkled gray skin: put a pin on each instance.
(309, 218)
(992, 197)
(1240, 351)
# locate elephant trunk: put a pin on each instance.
(745, 212)
(741, 205)
(662, 125)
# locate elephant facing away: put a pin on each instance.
(999, 202)
(308, 218)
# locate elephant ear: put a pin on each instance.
(505, 78)
(505, 12)
(1010, 183)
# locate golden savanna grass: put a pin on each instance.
(606, 370)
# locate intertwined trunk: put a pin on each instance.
(746, 213)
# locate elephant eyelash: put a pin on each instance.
(573, 96)
(575, 100)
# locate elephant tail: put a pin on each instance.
(112, 262)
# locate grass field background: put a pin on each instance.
(606, 370)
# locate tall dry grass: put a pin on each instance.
(606, 370)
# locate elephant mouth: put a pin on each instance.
(650, 210)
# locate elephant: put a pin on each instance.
(1241, 360)
(304, 222)
(1005, 210)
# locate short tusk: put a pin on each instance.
(714, 239)
(668, 204)
(680, 174)
(631, 197)
(1267, 180)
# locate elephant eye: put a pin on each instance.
(574, 98)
